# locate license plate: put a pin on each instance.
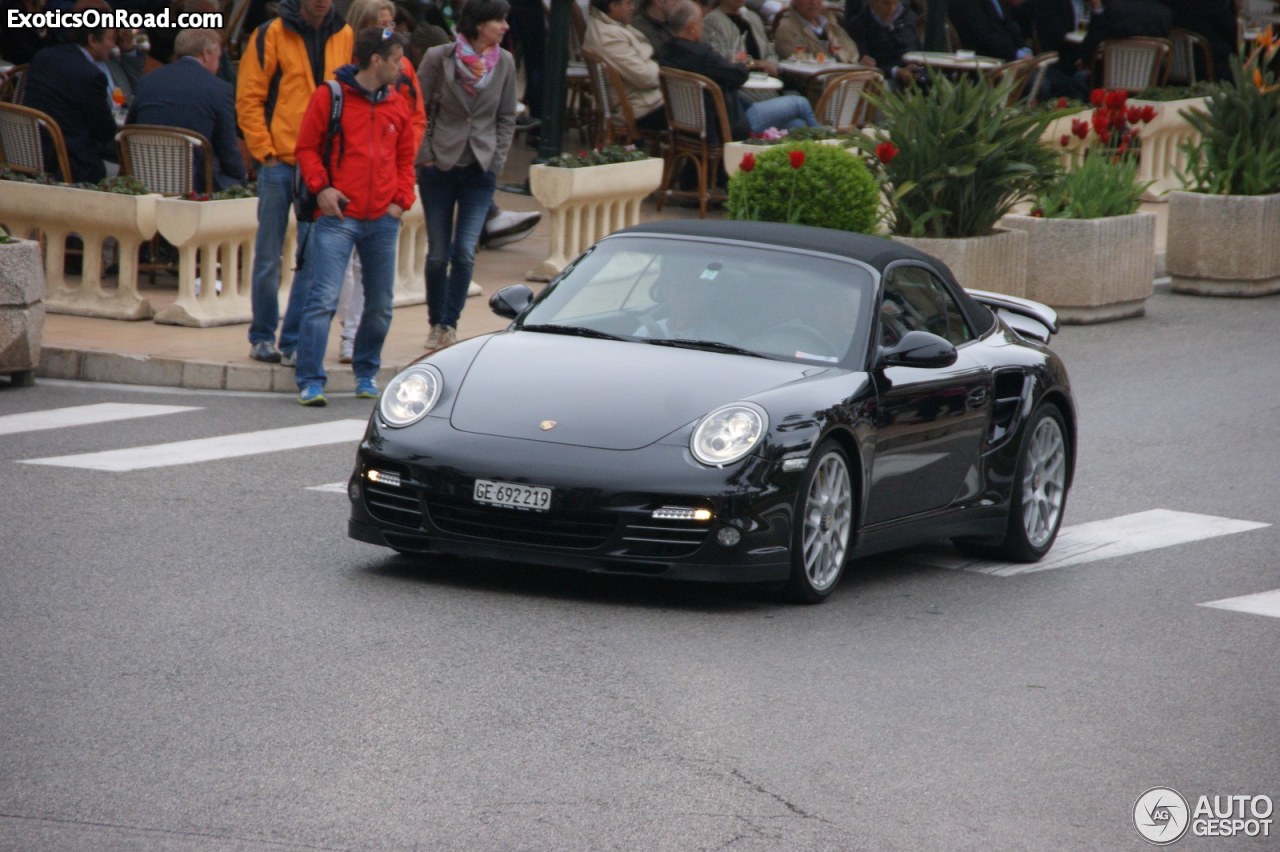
(534, 498)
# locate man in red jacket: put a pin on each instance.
(362, 191)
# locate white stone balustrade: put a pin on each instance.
(1160, 157)
(214, 240)
(586, 204)
(57, 212)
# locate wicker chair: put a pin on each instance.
(1186, 44)
(842, 104)
(615, 120)
(1043, 61)
(163, 158)
(1133, 63)
(20, 145)
(12, 84)
(1017, 74)
(690, 127)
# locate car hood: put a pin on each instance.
(602, 393)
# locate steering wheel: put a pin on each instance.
(794, 335)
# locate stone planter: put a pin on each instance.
(1090, 270)
(59, 211)
(1223, 245)
(214, 240)
(21, 310)
(996, 262)
(1160, 157)
(587, 204)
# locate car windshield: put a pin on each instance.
(722, 297)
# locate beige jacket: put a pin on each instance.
(454, 124)
(629, 52)
(793, 32)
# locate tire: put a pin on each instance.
(1039, 489)
(823, 526)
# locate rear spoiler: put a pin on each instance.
(1024, 316)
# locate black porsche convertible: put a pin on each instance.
(728, 401)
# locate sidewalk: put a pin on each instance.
(217, 358)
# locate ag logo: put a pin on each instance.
(1161, 815)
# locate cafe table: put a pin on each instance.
(960, 60)
(760, 82)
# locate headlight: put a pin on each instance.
(410, 395)
(729, 433)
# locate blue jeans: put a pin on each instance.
(327, 255)
(785, 112)
(275, 197)
(451, 245)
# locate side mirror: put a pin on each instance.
(919, 349)
(511, 301)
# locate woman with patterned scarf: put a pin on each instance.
(470, 91)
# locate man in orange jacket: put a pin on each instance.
(283, 62)
(362, 190)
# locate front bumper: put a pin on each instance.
(602, 514)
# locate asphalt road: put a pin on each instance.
(196, 657)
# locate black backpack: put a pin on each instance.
(305, 205)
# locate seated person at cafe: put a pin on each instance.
(1053, 21)
(610, 34)
(737, 34)
(806, 28)
(187, 93)
(884, 30)
(989, 28)
(66, 82)
(1216, 21)
(686, 51)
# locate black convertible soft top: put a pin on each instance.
(877, 252)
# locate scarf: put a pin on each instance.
(475, 70)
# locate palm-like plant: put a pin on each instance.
(1238, 152)
(961, 156)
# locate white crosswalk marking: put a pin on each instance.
(83, 415)
(209, 449)
(1107, 539)
(1263, 603)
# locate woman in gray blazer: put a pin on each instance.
(469, 88)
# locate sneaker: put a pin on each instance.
(508, 227)
(312, 395)
(348, 352)
(448, 336)
(265, 351)
(289, 359)
(433, 339)
(366, 389)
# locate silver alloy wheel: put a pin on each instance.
(828, 518)
(1043, 482)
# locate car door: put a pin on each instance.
(930, 422)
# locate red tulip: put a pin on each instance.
(1097, 97)
(1148, 113)
(1062, 103)
(1134, 114)
(886, 151)
(797, 158)
(1080, 127)
(1101, 123)
(748, 162)
(1065, 140)
(1115, 99)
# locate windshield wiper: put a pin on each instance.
(710, 345)
(576, 330)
